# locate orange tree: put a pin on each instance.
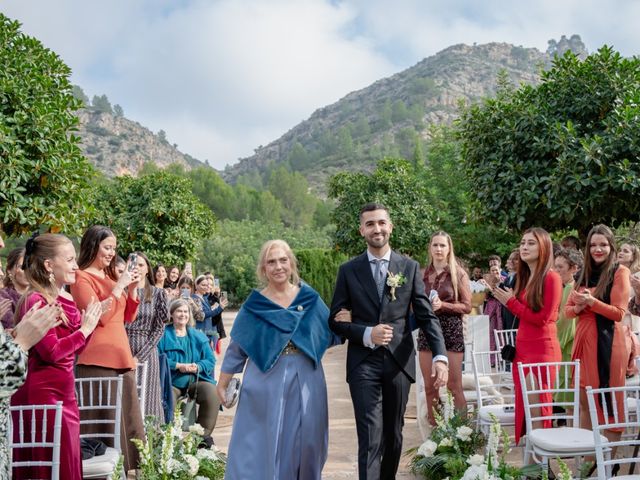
(43, 175)
(563, 154)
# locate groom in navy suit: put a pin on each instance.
(381, 355)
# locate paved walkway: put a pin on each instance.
(343, 444)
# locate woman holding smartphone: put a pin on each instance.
(107, 353)
(535, 302)
(451, 299)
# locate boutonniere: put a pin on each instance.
(395, 280)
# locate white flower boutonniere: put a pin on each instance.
(395, 280)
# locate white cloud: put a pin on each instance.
(222, 77)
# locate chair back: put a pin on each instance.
(504, 337)
(494, 385)
(31, 426)
(100, 405)
(609, 400)
(540, 381)
(141, 384)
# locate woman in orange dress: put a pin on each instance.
(535, 302)
(108, 353)
(600, 302)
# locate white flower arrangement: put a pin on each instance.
(428, 448)
(464, 433)
(169, 454)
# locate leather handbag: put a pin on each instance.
(508, 353)
(189, 409)
(232, 392)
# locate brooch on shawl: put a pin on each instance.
(395, 280)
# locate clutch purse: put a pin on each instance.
(508, 353)
(232, 392)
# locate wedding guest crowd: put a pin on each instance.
(103, 316)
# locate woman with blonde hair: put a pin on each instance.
(191, 363)
(450, 295)
(50, 265)
(283, 404)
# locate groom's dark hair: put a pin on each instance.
(370, 207)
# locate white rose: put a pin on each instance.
(464, 433)
(193, 463)
(197, 429)
(446, 442)
(428, 448)
(475, 460)
(475, 472)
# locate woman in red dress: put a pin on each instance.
(50, 265)
(600, 301)
(535, 302)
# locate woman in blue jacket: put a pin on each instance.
(191, 362)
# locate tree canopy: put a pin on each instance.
(563, 154)
(395, 184)
(156, 214)
(43, 174)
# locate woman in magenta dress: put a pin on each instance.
(535, 302)
(50, 265)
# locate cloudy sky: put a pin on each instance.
(222, 77)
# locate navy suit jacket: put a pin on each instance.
(356, 291)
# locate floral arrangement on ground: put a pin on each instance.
(453, 451)
(453, 440)
(170, 453)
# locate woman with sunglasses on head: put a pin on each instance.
(535, 302)
(108, 353)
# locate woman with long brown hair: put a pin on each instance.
(108, 353)
(600, 302)
(535, 302)
(15, 284)
(50, 265)
(146, 331)
(450, 301)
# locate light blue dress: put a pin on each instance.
(280, 429)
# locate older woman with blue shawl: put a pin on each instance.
(280, 429)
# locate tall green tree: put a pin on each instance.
(563, 154)
(101, 103)
(157, 214)
(292, 189)
(43, 175)
(394, 184)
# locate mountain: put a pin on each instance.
(389, 117)
(119, 146)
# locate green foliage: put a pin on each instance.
(394, 184)
(156, 214)
(118, 111)
(101, 104)
(233, 253)
(564, 153)
(162, 135)
(78, 93)
(292, 190)
(319, 268)
(452, 196)
(43, 175)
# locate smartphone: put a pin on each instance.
(132, 262)
(433, 294)
(185, 293)
(223, 295)
(216, 282)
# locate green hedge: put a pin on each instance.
(319, 267)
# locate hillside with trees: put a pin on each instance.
(119, 146)
(393, 116)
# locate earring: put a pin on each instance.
(52, 278)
